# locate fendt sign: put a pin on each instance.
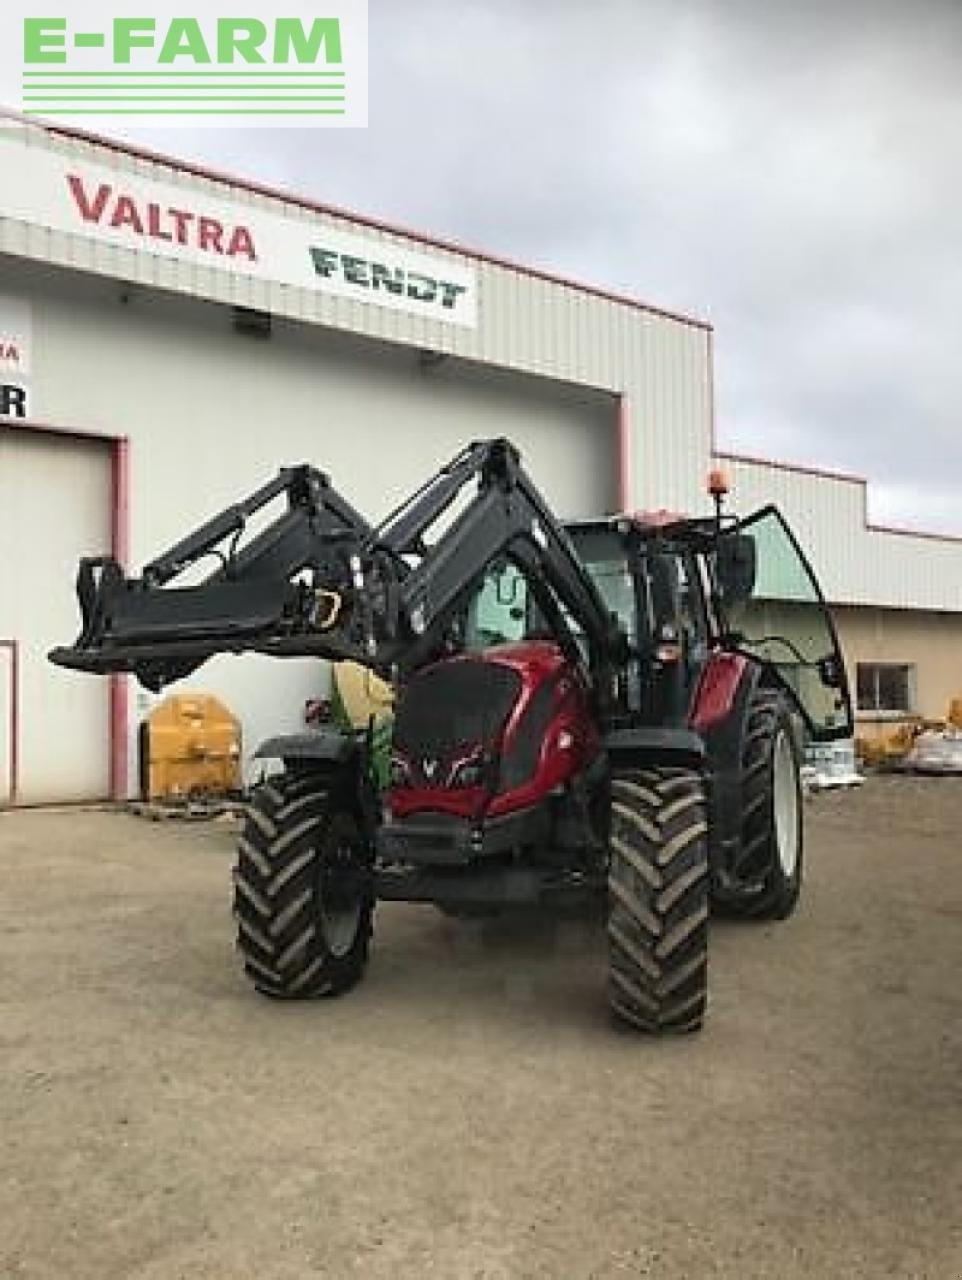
(209, 64)
(170, 219)
(375, 275)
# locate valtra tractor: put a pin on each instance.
(606, 711)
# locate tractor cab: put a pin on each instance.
(682, 591)
(701, 588)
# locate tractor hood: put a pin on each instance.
(490, 731)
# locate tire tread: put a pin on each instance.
(763, 892)
(276, 894)
(658, 900)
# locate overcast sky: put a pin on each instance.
(790, 171)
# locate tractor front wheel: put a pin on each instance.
(658, 900)
(303, 896)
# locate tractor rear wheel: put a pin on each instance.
(658, 900)
(303, 897)
(769, 864)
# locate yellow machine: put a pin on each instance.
(358, 694)
(190, 745)
(360, 698)
(889, 748)
(895, 746)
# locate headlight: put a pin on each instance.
(467, 773)
(400, 773)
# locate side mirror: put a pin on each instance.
(735, 567)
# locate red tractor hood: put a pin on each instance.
(490, 732)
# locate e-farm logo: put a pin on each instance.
(218, 65)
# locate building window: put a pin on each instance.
(885, 686)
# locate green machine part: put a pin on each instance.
(362, 702)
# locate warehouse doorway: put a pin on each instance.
(55, 506)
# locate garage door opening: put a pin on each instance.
(56, 503)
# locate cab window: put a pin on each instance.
(785, 624)
(603, 555)
(499, 610)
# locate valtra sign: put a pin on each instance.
(174, 225)
(167, 215)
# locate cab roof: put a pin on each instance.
(649, 524)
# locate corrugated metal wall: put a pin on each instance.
(526, 323)
(855, 563)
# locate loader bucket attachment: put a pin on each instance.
(162, 634)
(288, 590)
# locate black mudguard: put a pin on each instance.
(325, 746)
(724, 745)
(344, 759)
(659, 744)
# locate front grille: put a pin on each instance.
(448, 709)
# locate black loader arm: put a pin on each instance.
(506, 516)
(320, 581)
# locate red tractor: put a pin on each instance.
(603, 711)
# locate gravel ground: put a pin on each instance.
(469, 1111)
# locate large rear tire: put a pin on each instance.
(303, 897)
(769, 867)
(658, 900)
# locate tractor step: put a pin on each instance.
(484, 886)
(443, 839)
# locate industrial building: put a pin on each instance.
(169, 336)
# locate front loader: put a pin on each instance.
(607, 711)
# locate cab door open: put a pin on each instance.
(778, 616)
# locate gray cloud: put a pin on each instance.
(791, 171)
